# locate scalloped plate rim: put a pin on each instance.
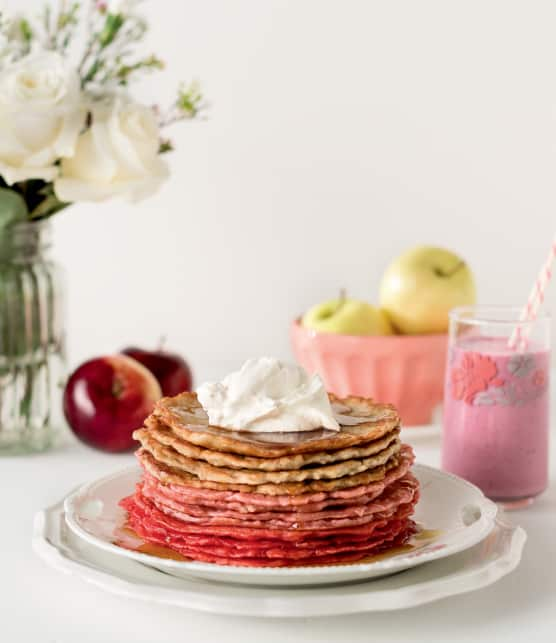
(276, 602)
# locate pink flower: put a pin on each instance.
(474, 375)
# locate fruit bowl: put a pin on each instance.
(405, 370)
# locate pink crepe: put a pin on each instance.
(253, 529)
(400, 492)
(252, 502)
(316, 548)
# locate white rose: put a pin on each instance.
(40, 116)
(117, 155)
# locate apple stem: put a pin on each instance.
(450, 273)
(161, 342)
(117, 388)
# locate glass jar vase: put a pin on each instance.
(31, 339)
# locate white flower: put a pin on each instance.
(41, 116)
(117, 155)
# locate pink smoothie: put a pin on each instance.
(496, 417)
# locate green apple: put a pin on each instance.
(421, 286)
(347, 317)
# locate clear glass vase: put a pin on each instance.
(31, 339)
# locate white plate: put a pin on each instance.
(457, 511)
(485, 563)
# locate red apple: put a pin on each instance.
(107, 398)
(171, 371)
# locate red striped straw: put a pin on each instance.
(536, 298)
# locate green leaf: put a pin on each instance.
(112, 25)
(25, 30)
(165, 146)
(95, 68)
(149, 64)
(189, 99)
(12, 208)
(48, 206)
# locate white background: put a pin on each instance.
(340, 133)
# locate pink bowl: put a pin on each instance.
(405, 370)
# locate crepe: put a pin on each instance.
(166, 436)
(401, 492)
(273, 499)
(204, 471)
(269, 548)
(177, 528)
(169, 474)
(253, 503)
(361, 421)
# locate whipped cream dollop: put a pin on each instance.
(267, 395)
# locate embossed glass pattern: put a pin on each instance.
(31, 339)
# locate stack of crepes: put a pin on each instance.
(273, 500)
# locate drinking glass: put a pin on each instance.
(496, 403)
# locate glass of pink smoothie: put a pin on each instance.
(496, 403)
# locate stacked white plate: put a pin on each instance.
(468, 547)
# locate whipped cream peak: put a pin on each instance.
(267, 395)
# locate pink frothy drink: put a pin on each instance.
(496, 404)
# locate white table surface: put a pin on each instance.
(40, 604)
